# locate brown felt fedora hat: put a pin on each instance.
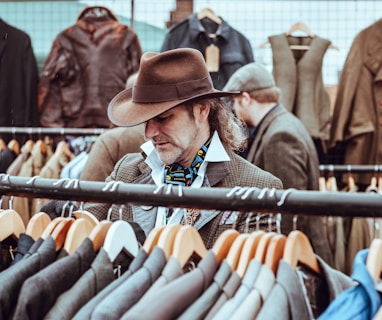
(164, 81)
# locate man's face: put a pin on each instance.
(173, 134)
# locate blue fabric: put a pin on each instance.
(359, 302)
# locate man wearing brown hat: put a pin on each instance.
(191, 141)
(279, 143)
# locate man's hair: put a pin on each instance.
(230, 129)
(267, 95)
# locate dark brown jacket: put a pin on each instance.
(87, 66)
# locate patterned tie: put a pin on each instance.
(176, 174)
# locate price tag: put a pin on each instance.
(212, 58)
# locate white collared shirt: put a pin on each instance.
(215, 153)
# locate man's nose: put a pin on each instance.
(151, 129)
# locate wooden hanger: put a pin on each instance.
(299, 249)
(235, 250)
(275, 252)
(11, 224)
(37, 224)
(223, 244)
(77, 214)
(248, 251)
(98, 234)
(41, 145)
(167, 238)
(120, 237)
(3, 145)
(28, 146)
(14, 145)
(60, 232)
(188, 242)
(300, 26)
(210, 14)
(51, 226)
(374, 259)
(152, 239)
(261, 250)
(78, 231)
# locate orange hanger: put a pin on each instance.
(60, 231)
(77, 214)
(223, 244)
(261, 250)
(248, 251)
(37, 224)
(235, 250)
(14, 145)
(51, 226)
(98, 234)
(78, 231)
(167, 238)
(298, 249)
(188, 242)
(275, 252)
(11, 224)
(152, 239)
(3, 145)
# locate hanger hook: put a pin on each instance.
(120, 211)
(248, 192)
(295, 217)
(180, 191)
(284, 196)
(270, 220)
(11, 202)
(115, 185)
(63, 209)
(75, 183)
(169, 189)
(60, 181)
(32, 180)
(236, 190)
(247, 221)
(278, 222)
(108, 217)
(159, 188)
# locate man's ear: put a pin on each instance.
(245, 98)
(202, 110)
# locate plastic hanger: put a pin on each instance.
(28, 146)
(275, 252)
(299, 249)
(248, 251)
(60, 232)
(98, 234)
(3, 145)
(11, 224)
(37, 224)
(374, 259)
(261, 250)
(167, 238)
(223, 244)
(235, 250)
(78, 231)
(188, 242)
(41, 145)
(210, 14)
(152, 239)
(62, 149)
(120, 237)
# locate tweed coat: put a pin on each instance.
(237, 172)
(283, 147)
(357, 110)
(108, 149)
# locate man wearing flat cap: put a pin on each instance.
(192, 139)
(279, 143)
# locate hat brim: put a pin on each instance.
(124, 112)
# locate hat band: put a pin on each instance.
(171, 92)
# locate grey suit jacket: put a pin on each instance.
(113, 307)
(171, 300)
(283, 147)
(13, 278)
(86, 311)
(202, 305)
(242, 292)
(100, 274)
(39, 292)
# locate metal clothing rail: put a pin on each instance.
(246, 199)
(52, 131)
(351, 168)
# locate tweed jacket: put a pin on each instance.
(237, 172)
(357, 110)
(87, 66)
(283, 147)
(300, 78)
(108, 149)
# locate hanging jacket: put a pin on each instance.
(87, 66)
(299, 75)
(234, 48)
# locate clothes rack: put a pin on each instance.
(246, 199)
(338, 168)
(52, 131)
